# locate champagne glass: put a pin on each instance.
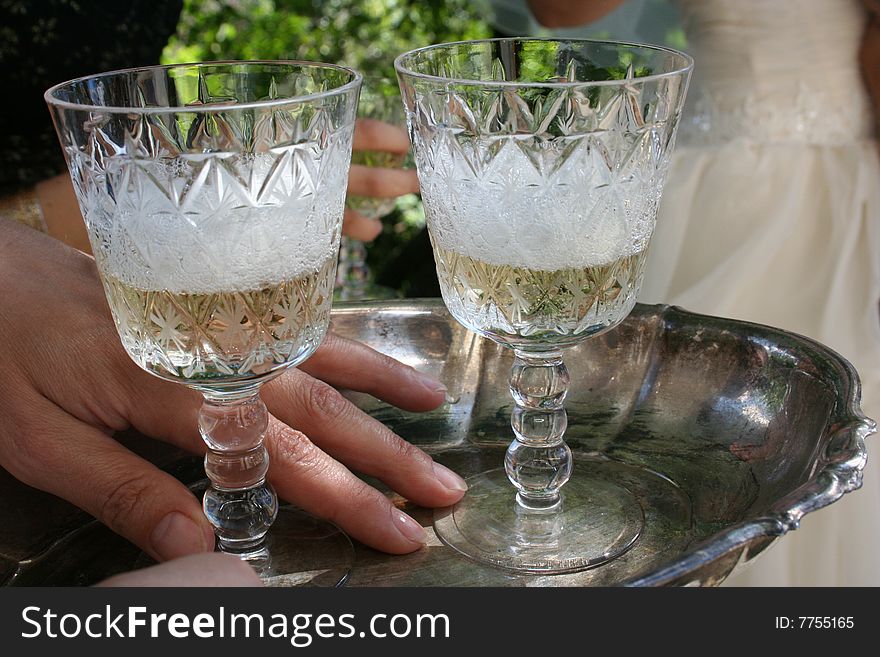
(379, 100)
(213, 196)
(541, 164)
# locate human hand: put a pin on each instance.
(68, 385)
(378, 182)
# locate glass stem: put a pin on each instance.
(239, 503)
(538, 462)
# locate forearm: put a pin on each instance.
(51, 207)
(61, 212)
(869, 55)
(568, 13)
(23, 207)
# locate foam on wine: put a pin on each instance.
(222, 237)
(514, 211)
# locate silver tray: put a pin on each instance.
(727, 432)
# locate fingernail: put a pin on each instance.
(177, 535)
(429, 382)
(409, 528)
(449, 479)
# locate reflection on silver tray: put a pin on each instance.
(727, 433)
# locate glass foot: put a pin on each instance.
(596, 521)
(302, 550)
(299, 550)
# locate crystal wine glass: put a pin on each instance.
(213, 195)
(541, 164)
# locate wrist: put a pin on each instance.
(61, 211)
(23, 207)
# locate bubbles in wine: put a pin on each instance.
(210, 230)
(511, 202)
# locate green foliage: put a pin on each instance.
(365, 34)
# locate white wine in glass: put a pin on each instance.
(541, 164)
(213, 196)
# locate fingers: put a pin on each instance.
(361, 228)
(379, 182)
(212, 569)
(57, 453)
(376, 182)
(373, 135)
(350, 364)
(308, 477)
(163, 410)
(364, 444)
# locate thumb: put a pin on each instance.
(73, 460)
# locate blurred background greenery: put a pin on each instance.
(364, 34)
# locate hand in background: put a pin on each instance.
(378, 182)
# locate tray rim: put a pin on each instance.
(841, 472)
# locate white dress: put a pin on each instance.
(771, 213)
